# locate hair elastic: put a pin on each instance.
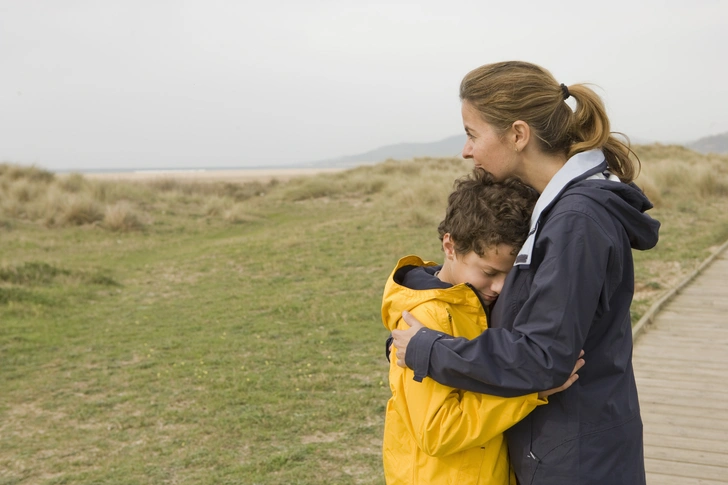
(565, 90)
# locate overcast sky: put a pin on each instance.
(93, 84)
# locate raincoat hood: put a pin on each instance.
(413, 282)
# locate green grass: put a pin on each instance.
(209, 349)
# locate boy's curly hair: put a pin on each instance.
(483, 213)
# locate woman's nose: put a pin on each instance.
(468, 150)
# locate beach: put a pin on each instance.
(203, 175)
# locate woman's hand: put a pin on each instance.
(401, 338)
(572, 379)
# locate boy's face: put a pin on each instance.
(485, 273)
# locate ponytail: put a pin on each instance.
(590, 129)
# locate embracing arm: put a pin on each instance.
(443, 420)
(549, 330)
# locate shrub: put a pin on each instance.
(81, 209)
(216, 205)
(15, 172)
(311, 188)
(74, 182)
(27, 190)
(121, 217)
(710, 184)
(237, 214)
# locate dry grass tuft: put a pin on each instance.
(12, 172)
(81, 209)
(416, 189)
(216, 205)
(238, 214)
(121, 217)
(671, 174)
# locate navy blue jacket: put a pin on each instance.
(571, 289)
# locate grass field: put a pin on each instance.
(218, 333)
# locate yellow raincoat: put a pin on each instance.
(434, 434)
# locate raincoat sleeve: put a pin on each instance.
(550, 328)
(444, 420)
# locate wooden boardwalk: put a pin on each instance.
(681, 367)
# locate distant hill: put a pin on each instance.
(453, 146)
(711, 144)
(449, 147)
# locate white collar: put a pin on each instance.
(574, 167)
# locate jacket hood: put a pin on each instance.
(627, 204)
(413, 271)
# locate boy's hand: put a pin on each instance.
(572, 379)
(401, 338)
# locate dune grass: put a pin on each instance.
(222, 333)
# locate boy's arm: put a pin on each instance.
(444, 420)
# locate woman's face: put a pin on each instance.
(486, 147)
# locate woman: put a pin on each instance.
(571, 286)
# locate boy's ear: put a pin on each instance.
(448, 246)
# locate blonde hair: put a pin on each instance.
(506, 92)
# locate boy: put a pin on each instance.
(435, 434)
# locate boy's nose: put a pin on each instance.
(497, 285)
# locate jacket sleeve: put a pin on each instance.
(549, 329)
(444, 420)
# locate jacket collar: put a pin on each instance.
(579, 167)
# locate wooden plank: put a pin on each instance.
(703, 328)
(688, 302)
(679, 364)
(654, 478)
(688, 470)
(698, 354)
(662, 382)
(677, 344)
(696, 457)
(652, 354)
(704, 353)
(670, 441)
(659, 405)
(705, 375)
(700, 292)
(714, 398)
(682, 432)
(692, 320)
(708, 383)
(696, 339)
(705, 427)
(701, 316)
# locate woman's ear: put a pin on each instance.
(521, 133)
